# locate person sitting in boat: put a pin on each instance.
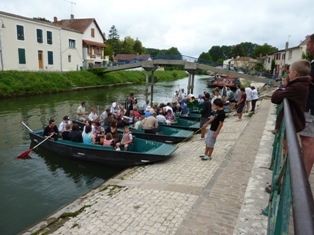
(113, 129)
(230, 95)
(65, 121)
(108, 119)
(65, 134)
(88, 137)
(150, 124)
(89, 123)
(81, 112)
(177, 109)
(115, 107)
(99, 132)
(147, 112)
(137, 123)
(93, 116)
(169, 107)
(103, 116)
(51, 129)
(136, 113)
(185, 110)
(127, 139)
(170, 116)
(76, 135)
(108, 141)
(131, 117)
(161, 117)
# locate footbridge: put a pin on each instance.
(190, 64)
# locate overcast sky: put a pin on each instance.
(193, 26)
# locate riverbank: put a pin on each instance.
(18, 83)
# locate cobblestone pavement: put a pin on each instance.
(184, 195)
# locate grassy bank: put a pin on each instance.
(16, 83)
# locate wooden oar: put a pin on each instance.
(24, 154)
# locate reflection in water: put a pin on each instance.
(34, 188)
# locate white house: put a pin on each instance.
(35, 45)
(92, 41)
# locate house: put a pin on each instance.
(92, 41)
(279, 57)
(36, 45)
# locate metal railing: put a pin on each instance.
(290, 185)
(193, 60)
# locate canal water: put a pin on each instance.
(31, 189)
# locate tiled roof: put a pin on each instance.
(79, 24)
(36, 20)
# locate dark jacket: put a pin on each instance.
(296, 92)
(207, 109)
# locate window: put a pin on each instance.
(290, 54)
(268, 60)
(69, 58)
(22, 59)
(39, 35)
(50, 57)
(93, 32)
(49, 37)
(71, 43)
(283, 56)
(20, 32)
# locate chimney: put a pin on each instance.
(55, 19)
(72, 16)
(287, 45)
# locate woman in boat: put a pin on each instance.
(89, 123)
(88, 137)
(170, 116)
(76, 135)
(113, 129)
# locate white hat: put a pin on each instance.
(148, 108)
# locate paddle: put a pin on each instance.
(25, 154)
(29, 129)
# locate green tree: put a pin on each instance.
(264, 50)
(173, 51)
(249, 48)
(237, 50)
(216, 52)
(205, 57)
(113, 39)
(225, 52)
(272, 66)
(138, 48)
(41, 19)
(127, 45)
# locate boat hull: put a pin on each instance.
(151, 151)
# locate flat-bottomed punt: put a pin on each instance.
(141, 152)
(184, 124)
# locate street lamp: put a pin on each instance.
(1, 56)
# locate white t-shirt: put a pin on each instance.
(92, 116)
(248, 92)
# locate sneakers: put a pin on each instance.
(205, 158)
(238, 120)
(118, 149)
(202, 155)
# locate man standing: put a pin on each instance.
(240, 104)
(205, 113)
(307, 135)
(248, 92)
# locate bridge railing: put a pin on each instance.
(193, 60)
(290, 185)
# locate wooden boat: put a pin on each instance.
(184, 124)
(192, 116)
(166, 134)
(141, 152)
(223, 80)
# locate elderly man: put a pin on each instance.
(150, 124)
(307, 135)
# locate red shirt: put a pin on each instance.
(243, 98)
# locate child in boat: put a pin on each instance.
(127, 139)
(65, 134)
(170, 116)
(108, 141)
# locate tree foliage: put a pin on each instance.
(307, 56)
(264, 50)
(113, 39)
(41, 19)
(237, 50)
(204, 57)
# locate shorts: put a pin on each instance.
(203, 121)
(210, 140)
(240, 108)
(309, 125)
